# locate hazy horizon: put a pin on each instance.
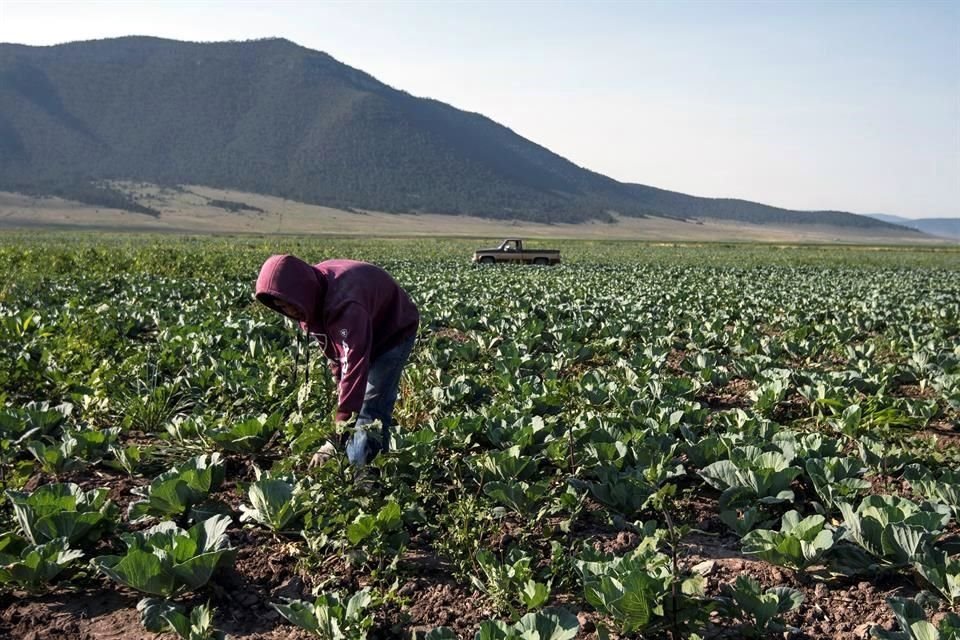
(845, 106)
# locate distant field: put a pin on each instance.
(194, 209)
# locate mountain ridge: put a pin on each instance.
(273, 117)
(943, 227)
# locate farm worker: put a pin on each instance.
(366, 325)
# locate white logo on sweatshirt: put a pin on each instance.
(345, 358)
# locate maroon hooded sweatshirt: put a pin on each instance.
(356, 311)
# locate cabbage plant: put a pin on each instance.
(893, 530)
(246, 436)
(62, 511)
(549, 624)
(33, 565)
(942, 572)
(942, 488)
(835, 479)
(752, 474)
(275, 503)
(174, 492)
(165, 560)
(914, 625)
(799, 543)
(761, 609)
(331, 616)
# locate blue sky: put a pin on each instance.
(807, 105)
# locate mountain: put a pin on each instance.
(944, 227)
(900, 220)
(271, 117)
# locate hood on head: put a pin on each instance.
(291, 280)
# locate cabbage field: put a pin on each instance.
(650, 441)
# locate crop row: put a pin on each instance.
(544, 411)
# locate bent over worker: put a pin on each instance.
(366, 325)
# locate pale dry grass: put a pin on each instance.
(188, 210)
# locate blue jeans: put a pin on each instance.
(383, 382)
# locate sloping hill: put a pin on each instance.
(686, 206)
(199, 209)
(943, 227)
(275, 118)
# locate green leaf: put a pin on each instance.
(139, 570)
(494, 630)
(153, 613)
(923, 630)
(299, 613)
(534, 594)
(165, 560)
(390, 517)
(196, 571)
(275, 503)
(549, 624)
(173, 492)
(34, 565)
(248, 436)
(361, 529)
(61, 511)
(358, 603)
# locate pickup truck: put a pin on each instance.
(511, 250)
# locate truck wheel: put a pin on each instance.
(487, 260)
(540, 261)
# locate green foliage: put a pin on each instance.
(502, 466)
(129, 458)
(836, 479)
(523, 498)
(626, 491)
(893, 530)
(768, 395)
(761, 609)
(275, 503)
(177, 491)
(34, 420)
(941, 488)
(752, 474)
(62, 511)
(247, 436)
(636, 590)
(509, 582)
(381, 534)
(163, 616)
(461, 531)
(57, 459)
(540, 408)
(165, 560)
(942, 572)
(798, 544)
(914, 625)
(744, 520)
(330, 616)
(32, 565)
(548, 624)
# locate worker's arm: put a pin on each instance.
(351, 333)
(333, 362)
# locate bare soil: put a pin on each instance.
(271, 568)
(268, 569)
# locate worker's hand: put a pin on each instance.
(323, 454)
